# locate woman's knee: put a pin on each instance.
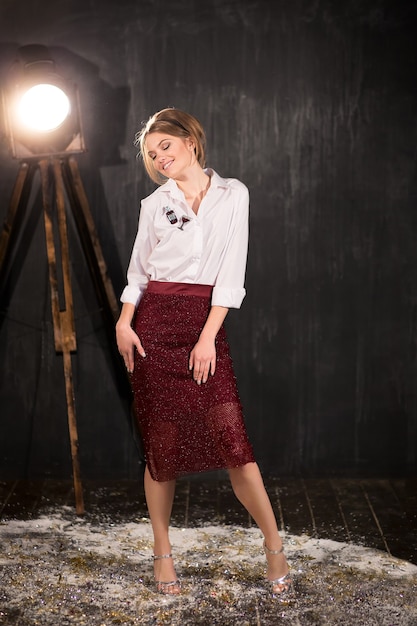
(243, 476)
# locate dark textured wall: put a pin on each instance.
(313, 105)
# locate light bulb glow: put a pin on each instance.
(43, 108)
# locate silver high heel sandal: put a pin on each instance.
(166, 588)
(284, 583)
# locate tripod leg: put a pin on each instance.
(63, 320)
(66, 314)
(72, 425)
(90, 241)
(17, 202)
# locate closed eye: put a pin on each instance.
(165, 146)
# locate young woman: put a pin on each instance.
(186, 270)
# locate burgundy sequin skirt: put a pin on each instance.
(186, 428)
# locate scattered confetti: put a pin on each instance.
(61, 569)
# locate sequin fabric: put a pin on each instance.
(186, 428)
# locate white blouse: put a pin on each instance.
(175, 245)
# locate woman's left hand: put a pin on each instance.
(203, 360)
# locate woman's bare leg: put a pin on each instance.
(159, 499)
(249, 489)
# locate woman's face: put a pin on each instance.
(170, 155)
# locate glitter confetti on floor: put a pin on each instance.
(61, 569)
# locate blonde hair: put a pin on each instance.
(176, 123)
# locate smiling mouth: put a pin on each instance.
(166, 166)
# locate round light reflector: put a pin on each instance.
(43, 108)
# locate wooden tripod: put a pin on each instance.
(59, 175)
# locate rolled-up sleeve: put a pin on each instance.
(229, 290)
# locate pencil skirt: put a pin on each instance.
(185, 428)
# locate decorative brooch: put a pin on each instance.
(173, 219)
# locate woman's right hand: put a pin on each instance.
(127, 339)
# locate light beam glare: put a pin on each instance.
(43, 108)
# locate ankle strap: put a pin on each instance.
(273, 551)
(162, 556)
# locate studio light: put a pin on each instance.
(43, 126)
(41, 107)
